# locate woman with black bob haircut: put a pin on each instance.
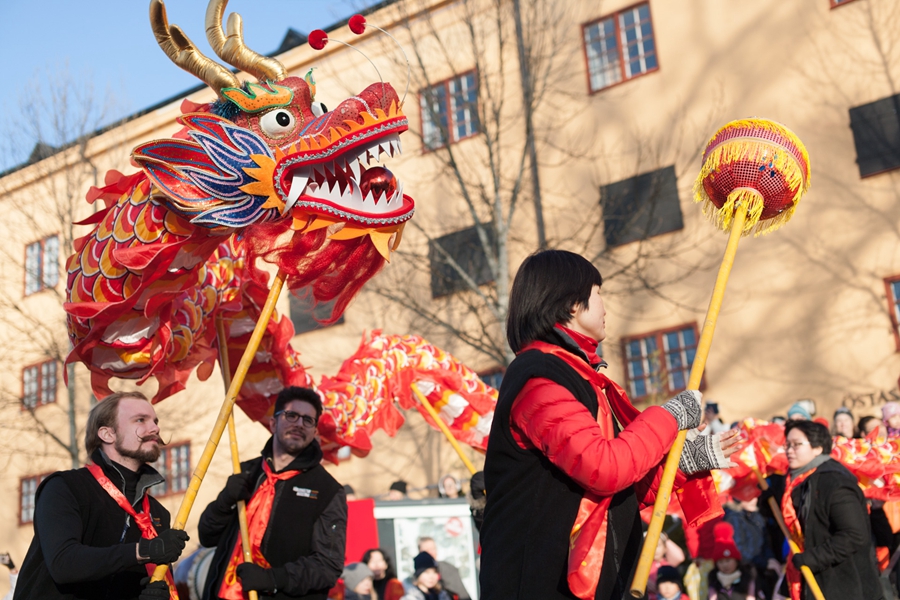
(570, 462)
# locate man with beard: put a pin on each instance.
(97, 532)
(296, 513)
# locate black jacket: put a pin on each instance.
(838, 545)
(84, 544)
(532, 504)
(306, 534)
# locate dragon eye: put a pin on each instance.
(277, 123)
(318, 109)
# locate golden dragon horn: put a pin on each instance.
(179, 48)
(232, 49)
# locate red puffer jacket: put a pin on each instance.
(547, 417)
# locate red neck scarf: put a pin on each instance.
(793, 525)
(259, 508)
(142, 519)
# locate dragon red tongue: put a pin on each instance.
(379, 181)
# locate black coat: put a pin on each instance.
(85, 544)
(838, 545)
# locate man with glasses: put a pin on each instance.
(296, 513)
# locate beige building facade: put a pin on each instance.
(624, 97)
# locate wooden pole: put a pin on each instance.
(795, 548)
(232, 442)
(222, 420)
(642, 572)
(443, 427)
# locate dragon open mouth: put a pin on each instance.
(343, 177)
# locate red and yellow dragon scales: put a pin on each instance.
(264, 172)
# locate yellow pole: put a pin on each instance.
(232, 439)
(642, 573)
(221, 421)
(795, 548)
(443, 427)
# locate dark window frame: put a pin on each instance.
(647, 217)
(624, 78)
(450, 137)
(894, 306)
(876, 125)
(41, 276)
(445, 279)
(307, 316)
(37, 482)
(39, 392)
(653, 376)
(169, 488)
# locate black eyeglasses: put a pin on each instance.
(292, 417)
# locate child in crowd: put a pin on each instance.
(357, 578)
(426, 580)
(730, 580)
(891, 414)
(668, 585)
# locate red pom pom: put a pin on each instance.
(317, 39)
(357, 24)
(723, 531)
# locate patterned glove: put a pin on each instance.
(685, 407)
(702, 453)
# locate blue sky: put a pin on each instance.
(110, 43)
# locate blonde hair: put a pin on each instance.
(104, 414)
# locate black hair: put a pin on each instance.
(817, 434)
(294, 392)
(548, 286)
(389, 573)
(861, 426)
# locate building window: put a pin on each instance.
(450, 111)
(619, 47)
(306, 315)
(41, 264)
(174, 464)
(27, 488)
(641, 207)
(893, 295)
(659, 363)
(876, 135)
(492, 378)
(460, 250)
(39, 384)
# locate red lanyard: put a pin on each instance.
(143, 520)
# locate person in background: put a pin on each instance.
(890, 412)
(426, 580)
(843, 423)
(779, 420)
(397, 491)
(751, 536)
(870, 426)
(798, 412)
(668, 585)
(385, 582)
(824, 507)
(7, 561)
(730, 580)
(450, 579)
(449, 487)
(358, 582)
(714, 423)
(668, 554)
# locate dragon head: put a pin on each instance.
(266, 150)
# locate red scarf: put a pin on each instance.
(258, 511)
(793, 525)
(143, 520)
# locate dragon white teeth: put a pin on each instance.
(298, 184)
(356, 168)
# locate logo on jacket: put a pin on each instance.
(306, 493)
